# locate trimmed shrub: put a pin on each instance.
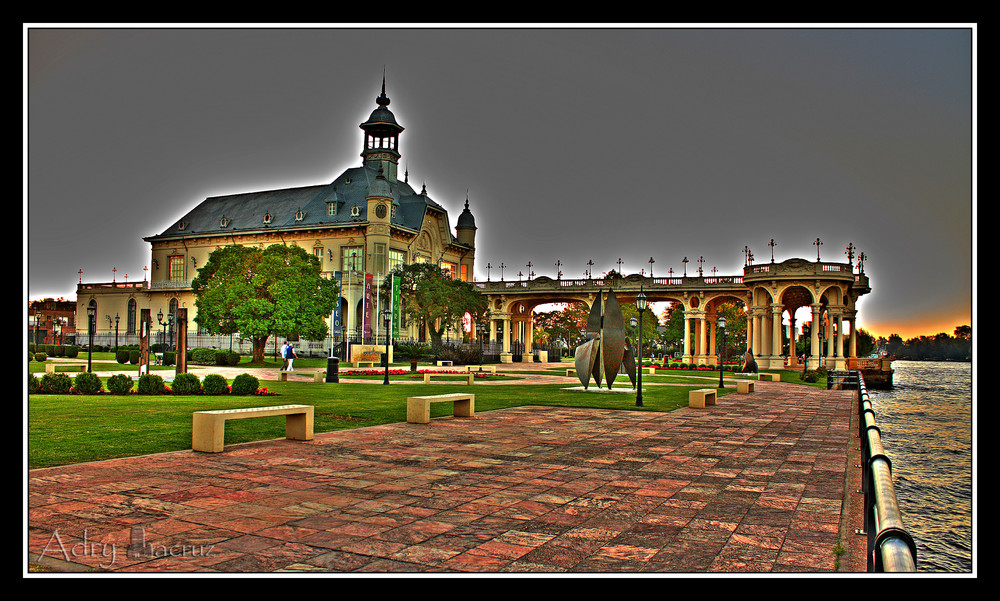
(214, 384)
(245, 384)
(169, 357)
(232, 358)
(56, 383)
(87, 383)
(34, 386)
(41, 357)
(133, 357)
(122, 356)
(72, 351)
(221, 357)
(151, 384)
(58, 351)
(120, 384)
(186, 384)
(202, 356)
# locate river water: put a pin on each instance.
(926, 423)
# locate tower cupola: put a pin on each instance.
(381, 146)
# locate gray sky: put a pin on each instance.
(574, 144)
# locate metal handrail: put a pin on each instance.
(890, 546)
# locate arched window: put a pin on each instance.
(130, 317)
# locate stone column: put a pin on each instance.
(776, 361)
(757, 334)
(814, 349)
(838, 350)
(687, 338)
(505, 354)
(713, 334)
(852, 318)
(702, 339)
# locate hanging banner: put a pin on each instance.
(368, 306)
(337, 324)
(396, 305)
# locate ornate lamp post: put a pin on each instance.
(640, 304)
(387, 318)
(116, 329)
(91, 324)
(722, 349)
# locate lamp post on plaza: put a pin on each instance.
(640, 304)
(387, 318)
(91, 324)
(116, 329)
(722, 349)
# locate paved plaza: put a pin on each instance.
(759, 483)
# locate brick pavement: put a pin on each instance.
(755, 484)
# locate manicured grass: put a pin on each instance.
(65, 429)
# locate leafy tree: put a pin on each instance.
(563, 324)
(431, 296)
(260, 293)
(864, 343)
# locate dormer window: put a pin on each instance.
(225, 221)
(182, 225)
(299, 215)
(331, 208)
(267, 218)
(355, 211)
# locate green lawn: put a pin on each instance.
(65, 429)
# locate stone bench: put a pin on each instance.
(50, 368)
(208, 427)
(490, 368)
(744, 386)
(444, 363)
(769, 377)
(570, 372)
(418, 408)
(427, 377)
(701, 397)
(366, 363)
(317, 376)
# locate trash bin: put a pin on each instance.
(333, 369)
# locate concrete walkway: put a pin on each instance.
(762, 482)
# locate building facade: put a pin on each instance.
(360, 226)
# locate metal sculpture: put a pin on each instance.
(607, 351)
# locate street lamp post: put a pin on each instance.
(91, 323)
(640, 304)
(116, 329)
(387, 317)
(722, 349)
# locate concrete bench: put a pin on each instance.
(418, 408)
(208, 427)
(427, 377)
(51, 367)
(570, 372)
(317, 376)
(490, 368)
(769, 377)
(365, 363)
(744, 386)
(701, 397)
(445, 363)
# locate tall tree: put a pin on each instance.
(260, 293)
(434, 298)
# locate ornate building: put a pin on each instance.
(360, 225)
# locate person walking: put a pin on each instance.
(284, 356)
(290, 355)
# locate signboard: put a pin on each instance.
(396, 305)
(367, 325)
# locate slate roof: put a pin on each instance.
(246, 212)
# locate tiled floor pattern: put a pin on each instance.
(753, 484)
